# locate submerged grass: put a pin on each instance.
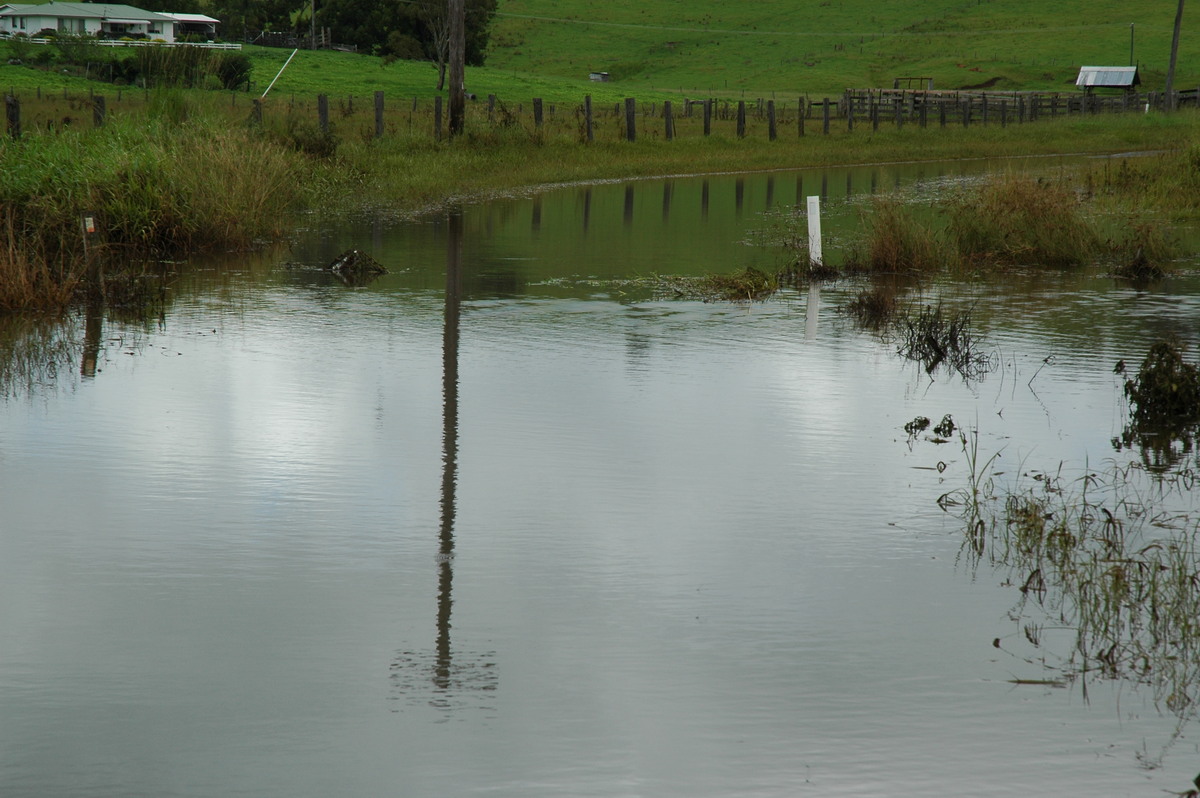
(1098, 556)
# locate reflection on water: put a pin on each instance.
(459, 678)
(696, 536)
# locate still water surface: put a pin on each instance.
(534, 531)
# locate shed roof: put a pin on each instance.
(1108, 76)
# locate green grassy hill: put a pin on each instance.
(722, 48)
(655, 49)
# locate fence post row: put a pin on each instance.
(905, 107)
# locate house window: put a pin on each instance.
(155, 27)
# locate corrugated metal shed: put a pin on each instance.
(1108, 77)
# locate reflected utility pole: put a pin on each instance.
(458, 681)
(443, 667)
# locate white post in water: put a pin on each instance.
(814, 231)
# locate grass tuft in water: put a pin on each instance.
(1142, 253)
(935, 336)
(897, 242)
(1021, 221)
(1165, 393)
(874, 308)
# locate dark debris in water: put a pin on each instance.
(355, 267)
(1164, 402)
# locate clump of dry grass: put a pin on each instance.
(898, 242)
(1021, 221)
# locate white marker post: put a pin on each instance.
(814, 231)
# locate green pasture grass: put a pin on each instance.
(723, 49)
(655, 49)
(333, 73)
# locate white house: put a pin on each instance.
(103, 20)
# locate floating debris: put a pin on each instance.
(355, 267)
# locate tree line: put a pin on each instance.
(392, 29)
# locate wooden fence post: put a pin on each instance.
(256, 112)
(668, 121)
(437, 118)
(630, 119)
(379, 114)
(772, 133)
(741, 119)
(898, 112)
(942, 112)
(323, 113)
(825, 117)
(537, 112)
(12, 110)
(587, 113)
(491, 107)
(99, 109)
(708, 105)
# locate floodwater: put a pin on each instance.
(504, 522)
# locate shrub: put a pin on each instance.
(232, 69)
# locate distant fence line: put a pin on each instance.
(148, 43)
(852, 109)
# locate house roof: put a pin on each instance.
(111, 12)
(1108, 76)
(189, 17)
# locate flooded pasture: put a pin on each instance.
(508, 521)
